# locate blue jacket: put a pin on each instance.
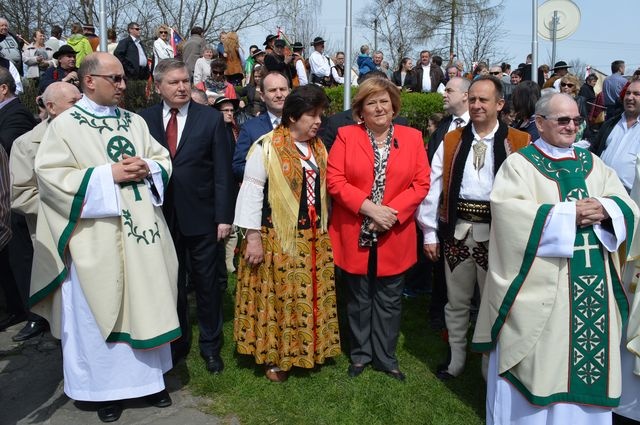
(365, 64)
(250, 131)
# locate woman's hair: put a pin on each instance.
(518, 72)
(571, 79)
(207, 47)
(301, 100)
(524, 98)
(111, 34)
(36, 31)
(436, 117)
(162, 27)
(231, 45)
(257, 69)
(76, 28)
(403, 62)
(479, 67)
(371, 87)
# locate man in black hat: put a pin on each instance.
(560, 69)
(277, 61)
(65, 71)
(299, 65)
(269, 43)
(320, 64)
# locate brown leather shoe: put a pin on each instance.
(274, 374)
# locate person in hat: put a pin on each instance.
(300, 78)
(89, 31)
(269, 43)
(560, 69)
(279, 61)
(249, 62)
(320, 64)
(79, 42)
(65, 71)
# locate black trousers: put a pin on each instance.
(374, 309)
(201, 252)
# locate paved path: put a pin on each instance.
(31, 391)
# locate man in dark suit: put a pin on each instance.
(199, 203)
(428, 75)
(274, 88)
(131, 54)
(15, 120)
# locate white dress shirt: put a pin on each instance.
(320, 65)
(622, 148)
(426, 78)
(181, 116)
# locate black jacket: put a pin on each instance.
(127, 52)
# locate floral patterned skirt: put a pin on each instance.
(280, 318)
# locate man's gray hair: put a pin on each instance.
(543, 105)
(7, 78)
(378, 52)
(166, 65)
(462, 83)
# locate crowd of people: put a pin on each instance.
(522, 205)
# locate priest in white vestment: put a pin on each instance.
(105, 270)
(553, 306)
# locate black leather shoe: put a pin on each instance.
(214, 363)
(356, 369)
(11, 320)
(31, 329)
(396, 374)
(443, 375)
(161, 399)
(109, 411)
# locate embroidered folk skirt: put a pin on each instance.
(281, 317)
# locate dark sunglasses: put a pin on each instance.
(163, 32)
(137, 29)
(217, 72)
(567, 85)
(565, 120)
(115, 79)
(496, 73)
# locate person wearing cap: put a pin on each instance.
(256, 57)
(79, 43)
(320, 64)
(278, 61)
(560, 69)
(65, 71)
(269, 43)
(130, 52)
(300, 78)
(89, 31)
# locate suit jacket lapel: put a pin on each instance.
(365, 144)
(186, 131)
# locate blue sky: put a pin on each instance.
(605, 32)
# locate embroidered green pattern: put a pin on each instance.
(123, 124)
(93, 123)
(133, 230)
(119, 146)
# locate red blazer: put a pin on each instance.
(349, 180)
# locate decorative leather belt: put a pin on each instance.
(474, 211)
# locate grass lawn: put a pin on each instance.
(326, 395)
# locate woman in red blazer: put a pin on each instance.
(377, 175)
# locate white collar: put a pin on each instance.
(181, 110)
(489, 136)
(96, 109)
(554, 151)
(465, 117)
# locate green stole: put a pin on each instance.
(589, 362)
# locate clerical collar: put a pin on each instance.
(554, 152)
(95, 109)
(489, 136)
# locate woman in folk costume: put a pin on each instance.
(285, 312)
(377, 175)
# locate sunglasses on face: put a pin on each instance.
(565, 120)
(567, 85)
(115, 79)
(495, 73)
(217, 72)
(162, 32)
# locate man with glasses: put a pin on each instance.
(618, 141)
(553, 306)
(132, 55)
(105, 268)
(456, 211)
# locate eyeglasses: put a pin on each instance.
(115, 79)
(496, 73)
(136, 29)
(217, 72)
(227, 110)
(163, 32)
(570, 85)
(563, 121)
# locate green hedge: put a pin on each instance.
(416, 107)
